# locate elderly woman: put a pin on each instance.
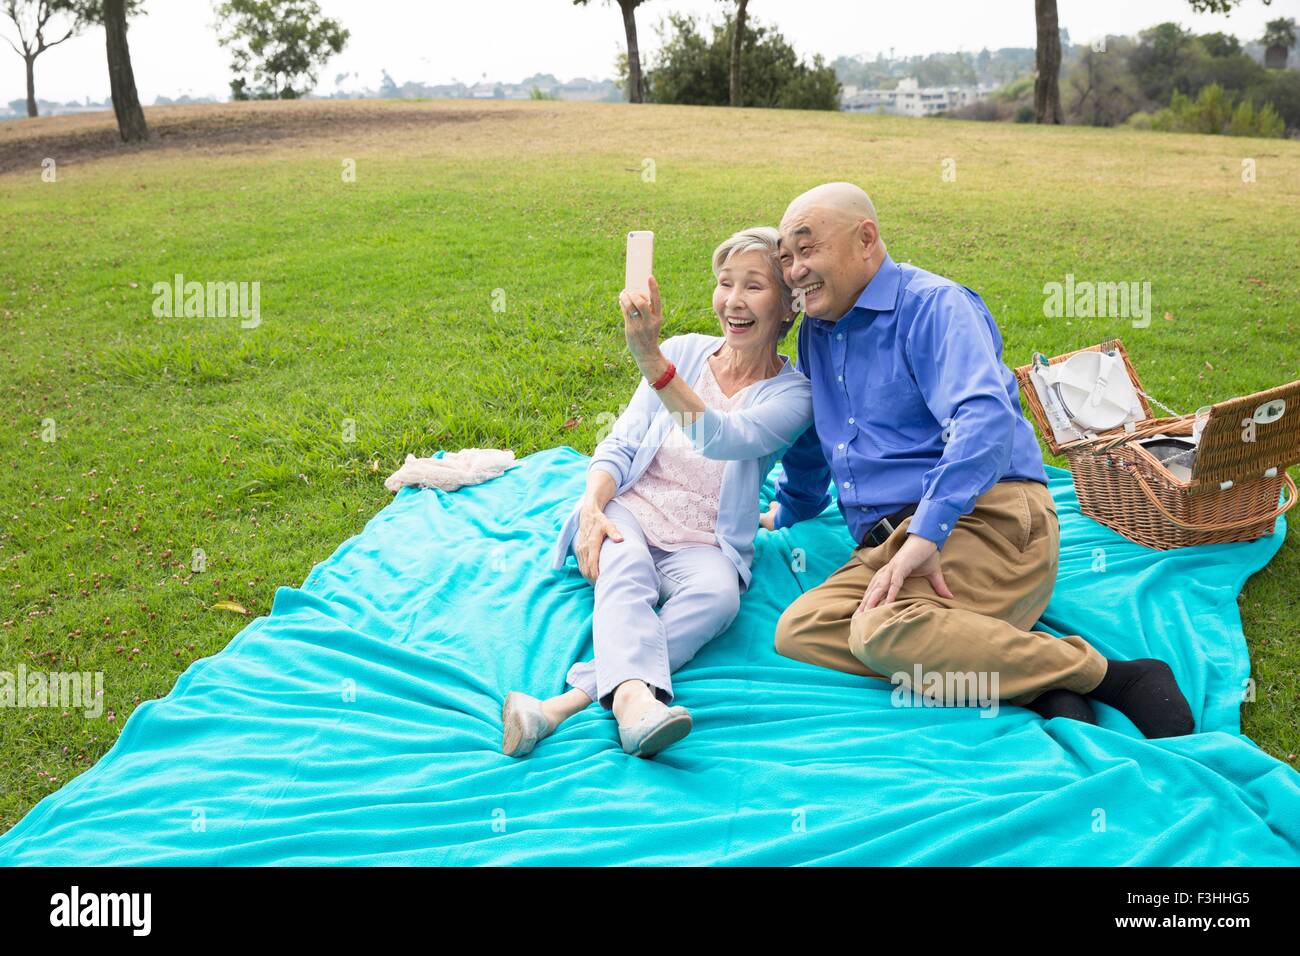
(671, 506)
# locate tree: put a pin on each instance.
(636, 89)
(1281, 90)
(1211, 112)
(1160, 60)
(31, 19)
(1243, 120)
(112, 16)
(1230, 68)
(945, 69)
(121, 77)
(1098, 88)
(277, 46)
(1047, 86)
(1218, 6)
(737, 44)
(1220, 44)
(1279, 37)
(693, 69)
(1280, 32)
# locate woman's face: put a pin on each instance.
(748, 302)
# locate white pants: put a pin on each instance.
(700, 591)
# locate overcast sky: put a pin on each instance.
(175, 51)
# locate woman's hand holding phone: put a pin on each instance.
(643, 320)
(639, 300)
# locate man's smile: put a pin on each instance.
(811, 289)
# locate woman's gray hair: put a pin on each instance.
(760, 239)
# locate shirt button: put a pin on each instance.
(839, 335)
(839, 378)
(850, 421)
(840, 446)
(848, 484)
(943, 527)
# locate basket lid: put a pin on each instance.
(1247, 436)
(1114, 387)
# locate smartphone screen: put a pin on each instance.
(640, 260)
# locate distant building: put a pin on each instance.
(577, 89)
(17, 109)
(911, 99)
(587, 90)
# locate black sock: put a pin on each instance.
(1059, 702)
(1146, 693)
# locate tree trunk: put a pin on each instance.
(1047, 86)
(635, 86)
(121, 78)
(31, 85)
(737, 45)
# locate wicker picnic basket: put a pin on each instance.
(1235, 483)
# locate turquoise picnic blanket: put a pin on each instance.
(359, 722)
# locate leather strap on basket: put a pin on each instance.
(1282, 509)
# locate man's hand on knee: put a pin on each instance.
(918, 557)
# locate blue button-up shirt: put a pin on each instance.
(911, 403)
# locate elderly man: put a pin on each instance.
(941, 481)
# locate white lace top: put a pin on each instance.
(676, 498)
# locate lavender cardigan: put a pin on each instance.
(750, 439)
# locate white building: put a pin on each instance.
(909, 99)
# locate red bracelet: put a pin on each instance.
(665, 378)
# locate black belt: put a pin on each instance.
(883, 528)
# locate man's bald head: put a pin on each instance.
(843, 202)
(830, 247)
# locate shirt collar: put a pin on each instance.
(880, 295)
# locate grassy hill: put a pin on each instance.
(461, 291)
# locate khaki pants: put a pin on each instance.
(999, 562)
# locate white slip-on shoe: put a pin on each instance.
(525, 723)
(658, 727)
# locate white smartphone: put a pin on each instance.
(640, 261)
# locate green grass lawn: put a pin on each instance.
(377, 309)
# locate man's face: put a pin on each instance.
(824, 257)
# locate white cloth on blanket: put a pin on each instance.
(470, 466)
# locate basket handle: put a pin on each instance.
(1222, 525)
(1153, 427)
